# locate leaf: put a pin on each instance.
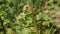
(9, 31)
(2, 13)
(6, 22)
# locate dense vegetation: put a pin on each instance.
(28, 16)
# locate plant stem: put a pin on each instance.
(35, 23)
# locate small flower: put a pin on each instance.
(21, 15)
(27, 8)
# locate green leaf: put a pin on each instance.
(6, 22)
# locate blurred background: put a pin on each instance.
(29, 16)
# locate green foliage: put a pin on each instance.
(23, 15)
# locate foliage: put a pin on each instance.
(28, 16)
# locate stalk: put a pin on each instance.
(35, 23)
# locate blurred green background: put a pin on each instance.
(28, 16)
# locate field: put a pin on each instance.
(29, 16)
